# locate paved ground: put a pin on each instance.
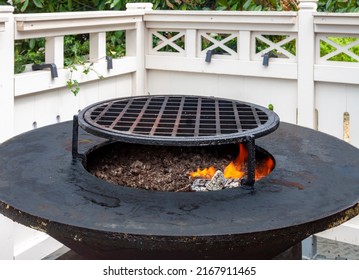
(334, 250)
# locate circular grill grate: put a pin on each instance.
(177, 120)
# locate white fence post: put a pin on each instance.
(97, 46)
(135, 46)
(6, 73)
(54, 51)
(306, 56)
(6, 112)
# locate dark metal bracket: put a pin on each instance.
(109, 62)
(267, 56)
(52, 67)
(251, 162)
(75, 139)
(209, 54)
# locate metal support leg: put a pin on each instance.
(251, 164)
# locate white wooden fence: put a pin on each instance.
(165, 54)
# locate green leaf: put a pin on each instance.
(38, 3)
(234, 7)
(24, 6)
(115, 3)
(247, 5)
(69, 5)
(224, 3)
(330, 6)
(32, 44)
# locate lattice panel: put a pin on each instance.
(223, 43)
(167, 42)
(282, 46)
(334, 49)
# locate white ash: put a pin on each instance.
(218, 182)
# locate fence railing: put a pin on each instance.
(304, 63)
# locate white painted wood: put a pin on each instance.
(244, 45)
(191, 43)
(6, 76)
(331, 105)
(218, 65)
(221, 44)
(209, 17)
(352, 99)
(30, 82)
(6, 238)
(80, 30)
(97, 46)
(81, 21)
(225, 26)
(32, 244)
(305, 53)
(273, 46)
(338, 49)
(139, 78)
(263, 91)
(345, 73)
(166, 42)
(54, 51)
(2, 22)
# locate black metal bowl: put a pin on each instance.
(315, 186)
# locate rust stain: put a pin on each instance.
(286, 183)
(68, 144)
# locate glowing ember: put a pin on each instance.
(237, 169)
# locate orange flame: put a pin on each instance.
(206, 173)
(237, 168)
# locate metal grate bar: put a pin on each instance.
(218, 118)
(256, 117)
(118, 118)
(109, 105)
(198, 117)
(236, 116)
(159, 116)
(178, 118)
(139, 117)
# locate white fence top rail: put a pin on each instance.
(226, 20)
(58, 24)
(336, 23)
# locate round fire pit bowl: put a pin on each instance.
(314, 186)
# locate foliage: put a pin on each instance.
(116, 44)
(29, 51)
(326, 48)
(73, 84)
(338, 6)
(248, 5)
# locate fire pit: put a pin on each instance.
(182, 121)
(313, 186)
